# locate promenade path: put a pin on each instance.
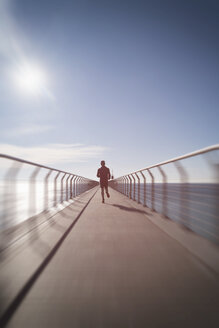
(116, 268)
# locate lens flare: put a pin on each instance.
(30, 79)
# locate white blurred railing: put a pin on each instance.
(185, 189)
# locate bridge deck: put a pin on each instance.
(117, 269)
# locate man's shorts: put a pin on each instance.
(103, 184)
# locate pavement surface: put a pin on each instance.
(116, 268)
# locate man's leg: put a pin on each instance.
(107, 192)
(102, 193)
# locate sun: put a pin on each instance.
(30, 79)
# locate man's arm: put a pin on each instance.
(108, 174)
(98, 173)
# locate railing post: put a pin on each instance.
(121, 185)
(71, 195)
(74, 184)
(66, 185)
(10, 195)
(134, 186)
(184, 211)
(82, 185)
(152, 190)
(61, 198)
(32, 192)
(127, 186)
(79, 185)
(215, 170)
(143, 176)
(46, 198)
(138, 187)
(55, 188)
(124, 185)
(130, 189)
(164, 191)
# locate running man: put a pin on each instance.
(104, 174)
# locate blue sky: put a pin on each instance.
(131, 82)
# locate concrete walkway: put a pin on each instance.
(117, 269)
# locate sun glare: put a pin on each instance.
(30, 79)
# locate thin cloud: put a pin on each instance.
(28, 130)
(53, 154)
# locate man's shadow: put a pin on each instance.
(129, 209)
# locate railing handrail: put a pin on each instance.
(37, 164)
(197, 152)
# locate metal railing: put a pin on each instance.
(56, 187)
(195, 205)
